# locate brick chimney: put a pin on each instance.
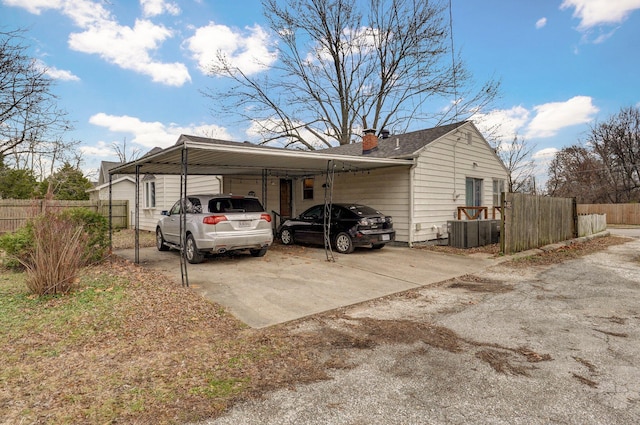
(369, 141)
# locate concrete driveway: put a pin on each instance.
(294, 282)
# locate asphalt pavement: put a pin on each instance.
(541, 345)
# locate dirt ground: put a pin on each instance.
(551, 338)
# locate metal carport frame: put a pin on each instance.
(192, 155)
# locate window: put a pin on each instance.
(239, 204)
(175, 209)
(307, 188)
(314, 213)
(498, 188)
(150, 194)
(193, 206)
(473, 192)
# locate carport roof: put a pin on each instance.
(211, 156)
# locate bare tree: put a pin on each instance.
(607, 168)
(347, 64)
(31, 123)
(576, 172)
(42, 158)
(123, 154)
(617, 143)
(516, 156)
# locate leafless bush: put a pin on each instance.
(57, 255)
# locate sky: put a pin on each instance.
(134, 71)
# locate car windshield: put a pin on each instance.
(363, 210)
(220, 205)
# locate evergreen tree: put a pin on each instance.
(67, 183)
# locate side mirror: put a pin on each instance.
(164, 212)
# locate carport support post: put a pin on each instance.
(137, 230)
(183, 219)
(264, 188)
(110, 216)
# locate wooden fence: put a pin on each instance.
(590, 224)
(532, 221)
(616, 213)
(14, 213)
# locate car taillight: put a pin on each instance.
(214, 219)
(266, 217)
(365, 222)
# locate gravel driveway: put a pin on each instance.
(536, 345)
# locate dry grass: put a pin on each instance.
(125, 238)
(493, 249)
(52, 267)
(130, 346)
(566, 253)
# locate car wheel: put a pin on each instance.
(344, 245)
(258, 252)
(160, 241)
(286, 236)
(377, 245)
(191, 250)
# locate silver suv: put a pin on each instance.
(216, 224)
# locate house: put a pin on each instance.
(420, 178)
(123, 187)
(156, 192)
(447, 167)
(454, 167)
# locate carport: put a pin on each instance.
(193, 155)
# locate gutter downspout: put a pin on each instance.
(412, 173)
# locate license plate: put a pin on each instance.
(244, 223)
(384, 237)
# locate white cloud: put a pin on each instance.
(604, 36)
(502, 124)
(540, 23)
(152, 134)
(548, 119)
(248, 50)
(551, 117)
(61, 74)
(57, 74)
(158, 7)
(34, 6)
(594, 13)
(545, 154)
(127, 47)
(101, 149)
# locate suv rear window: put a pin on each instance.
(221, 205)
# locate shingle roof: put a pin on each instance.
(105, 166)
(200, 139)
(397, 146)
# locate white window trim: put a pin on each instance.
(146, 195)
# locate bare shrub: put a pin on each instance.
(57, 254)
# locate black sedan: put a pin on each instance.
(351, 225)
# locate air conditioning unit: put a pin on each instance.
(473, 233)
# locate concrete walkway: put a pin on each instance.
(293, 282)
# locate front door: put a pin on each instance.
(285, 198)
